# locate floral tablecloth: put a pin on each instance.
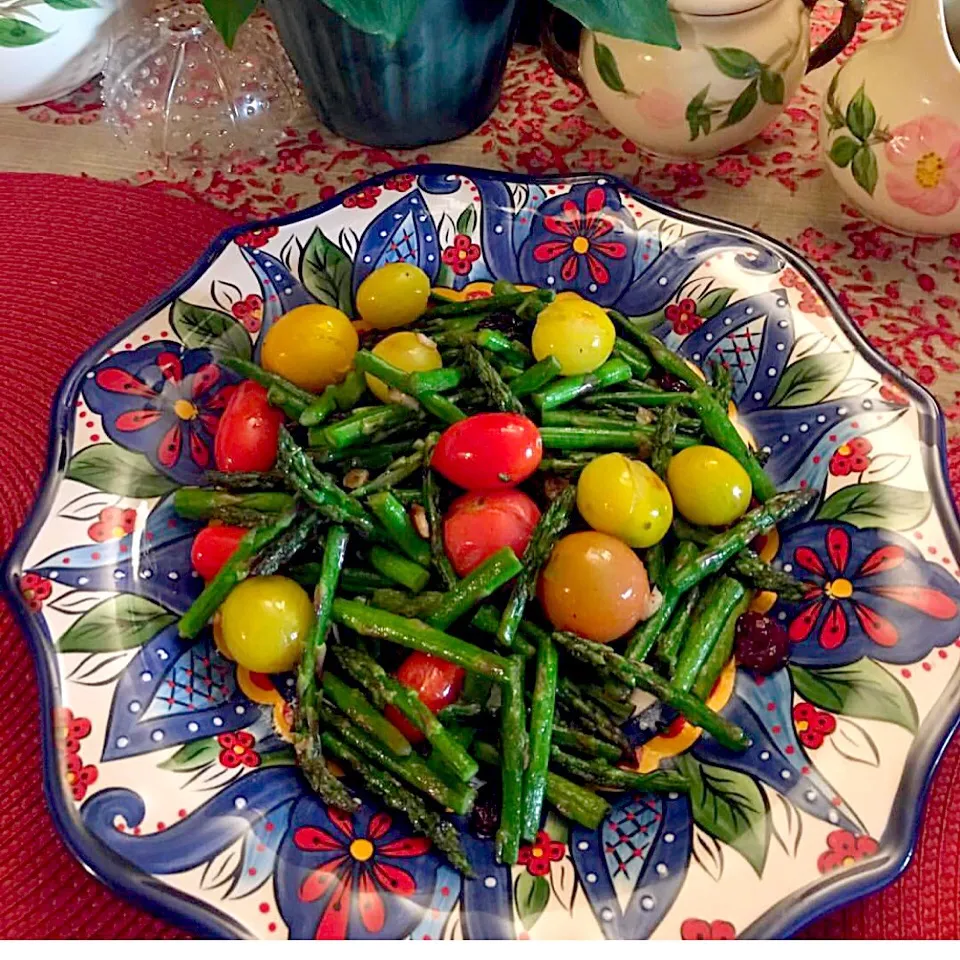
(902, 291)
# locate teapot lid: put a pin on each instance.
(713, 8)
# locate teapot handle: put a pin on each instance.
(841, 34)
(565, 63)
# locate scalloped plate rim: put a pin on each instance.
(780, 921)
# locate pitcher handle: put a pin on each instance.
(565, 63)
(841, 34)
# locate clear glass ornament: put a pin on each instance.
(173, 89)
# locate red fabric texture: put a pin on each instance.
(77, 257)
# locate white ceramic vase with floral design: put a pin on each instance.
(50, 47)
(890, 124)
(739, 62)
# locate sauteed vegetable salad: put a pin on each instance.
(475, 529)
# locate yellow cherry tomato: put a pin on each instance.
(577, 332)
(264, 622)
(412, 352)
(393, 295)
(625, 498)
(312, 346)
(709, 486)
(594, 585)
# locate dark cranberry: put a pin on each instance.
(486, 812)
(761, 644)
(506, 322)
(674, 384)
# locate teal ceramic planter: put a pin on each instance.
(440, 81)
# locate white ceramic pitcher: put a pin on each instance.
(890, 123)
(739, 62)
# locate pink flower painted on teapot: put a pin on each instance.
(925, 156)
(660, 108)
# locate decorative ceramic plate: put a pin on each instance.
(168, 769)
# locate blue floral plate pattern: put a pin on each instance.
(168, 768)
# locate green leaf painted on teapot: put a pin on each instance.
(772, 88)
(607, 66)
(864, 168)
(861, 116)
(842, 150)
(19, 33)
(735, 63)
(742, 106)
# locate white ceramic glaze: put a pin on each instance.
(49, 48)
(729, 79)
(890, 123)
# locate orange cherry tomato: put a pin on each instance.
(594, 585)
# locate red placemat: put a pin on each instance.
(77, 257)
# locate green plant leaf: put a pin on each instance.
(72, 4)
(648, 322)
(467, 221)
(741, 107)
(771, 86)
(729, 806)
(861, 689)
(118, 623)
(115, 470)
(229, 16)
(864, 168)
(384, 18)
(861, 116)
(735, 63)
(193, 756)
(843, 149)
(649, 21)
(606, 65)
(695, 112)
(811, 379)
(215, 330)
(19, 33)
(327, 272)
(877, 505)
(710, 304)
(531, 895)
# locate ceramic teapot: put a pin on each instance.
(739, 62)
(890, 123)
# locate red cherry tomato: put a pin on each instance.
(479, 524)
(248, 432)
(489, 451)
(213, 547)
(437, 683)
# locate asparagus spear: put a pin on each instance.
(536, 377)
(418, 606)
(604, 775)
(726, 733)
(441, 407)
(512, 351)
(724, 546)
(590, 714)
(640, 365)
(721, 653)
(258, 482)
(492, 574)
(357, 708)
(583, 743)
(645, 396)
(606, 438)
(431, 505)
(718, 425)
(411, 769)
(541, 732)
(444, 835)
(396, 472)
(307, 726)
(498, 393)
(396, 521)
(286, 546)
(487, 620)
(671, 639)
(513, 741)
(399, 569)
(576, 803)
(198, 503)
(538, 551)
(385, 691)
(663, 441)
(564, 391)
(292, 398)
